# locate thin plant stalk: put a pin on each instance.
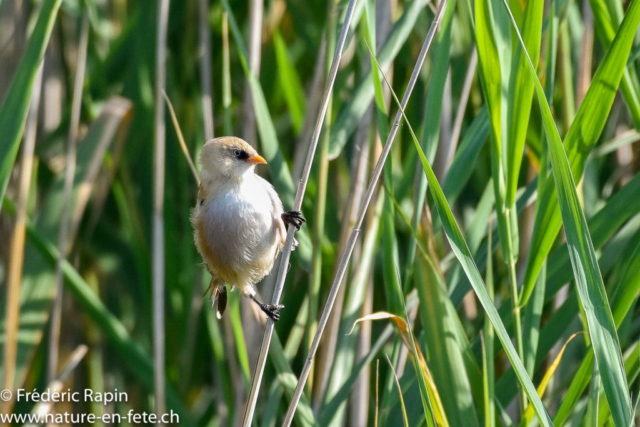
(586, 57)
(158, 272)
(14, 279)
(344, 262)
(204, 52)
(320, 206)
(333, 345)
(70, 170)
(375, 416)
(255, 44)
(359, 407)
(395, 377)
(313, 103)
(183, 144)
(226, 75)
(517, 318)
(457, 124)
(286, 253)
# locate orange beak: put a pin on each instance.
(257, 160)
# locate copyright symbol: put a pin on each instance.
(5, 395)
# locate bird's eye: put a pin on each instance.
(237, 153)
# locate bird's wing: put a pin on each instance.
(278, 210)
(273, 195)
(202, 194)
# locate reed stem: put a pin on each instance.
(158, 272)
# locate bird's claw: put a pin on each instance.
(273, 311)
(294, 218)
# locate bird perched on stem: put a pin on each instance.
(239, 223)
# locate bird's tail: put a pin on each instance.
(219, 295)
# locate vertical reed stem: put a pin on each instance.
(158, 273)
(204, 51)
(255, 44)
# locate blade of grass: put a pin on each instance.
(365, 204)
(492, 36)
(290, 83)
(459, 246)
(607, 16)
(582, 136)
(619, 141)
(532, 316)
(13, 112)
(557, 324)
(622, 299)
(284, 260)
(445, 356)
(487, 337)
(591, 417)
(633, 371)
(542, 387)
(467, 154)
(604, 224)
(589, 281)
(520, 96)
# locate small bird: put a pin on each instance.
(239, 223)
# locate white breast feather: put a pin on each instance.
(241, 229)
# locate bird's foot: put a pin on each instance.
(294, 218)
(271, 310)
(210, 288)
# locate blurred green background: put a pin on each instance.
(89, 320)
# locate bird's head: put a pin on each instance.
(229, 157)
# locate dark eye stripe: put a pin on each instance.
(241, 154)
